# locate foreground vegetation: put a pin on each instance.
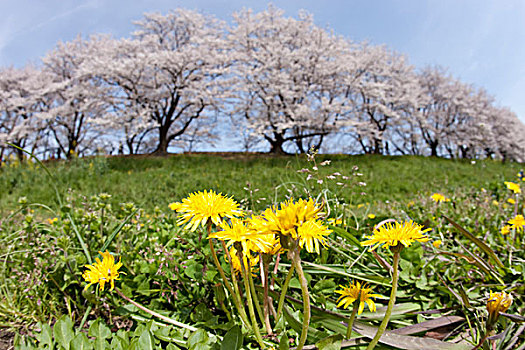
(122, 205)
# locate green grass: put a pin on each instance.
(155, 181)
(170, 270)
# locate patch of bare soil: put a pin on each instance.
(6, 339)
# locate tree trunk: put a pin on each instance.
(162, 147)
(276, 144)
(433, 149)
(378, 146)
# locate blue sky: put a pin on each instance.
(481, 42)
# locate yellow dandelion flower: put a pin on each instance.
(495, 203)
(306, 210)
(517, 223)
(391, 235)
(52, 221)
(198, 207)
(411, 204)
(286, 218)
(238, 232)
(514, 187)
(174, 206)
(311, 233)
(437, 243)
(438, 198)
(333, 222)
(498, 302)
(356, 291)
(359, 206)
(511, 201)
(236, 263)
(371, 216)
(272, 242)
(103, 271)
(505, 230)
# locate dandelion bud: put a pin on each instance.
(498, 302)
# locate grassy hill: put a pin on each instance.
(157, 181)
(470, 253)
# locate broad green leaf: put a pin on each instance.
(119, 343)
(63, 331)
(145, 341)
(345, 234)
(513, 317)
(198, 337)
(283, 343)
(408, 342)
(332, 342)
(233, 339)
(81, 342)
(45, 337)
(313, 334)
(426, 326)
(99, 330)
(172, 347)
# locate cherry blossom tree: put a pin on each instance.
(73, 103)
(287, 74)
(165, 77)
(507, 135)
(385, 96)
(18, 105)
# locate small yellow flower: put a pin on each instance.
(391, 235)
(505, 230)
(511, 201)
(199, 207)
(52, 221)
(354, 291)
(371, 216)
(103, 271)
(359, 206)
(438, 198)
(410, 204)
(174, 206)
(498, 302)
(333, 222)
(514, 187)
(437, 243)
(517, 223)
(495, 203)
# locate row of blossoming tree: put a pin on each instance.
(267, 81)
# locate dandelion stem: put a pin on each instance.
(284, 289)
(391, 302)
(254, 294)
(255, 326)
(352, 317)
(237, 294)
(236, 300)
(296, 259)
(265, 258)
